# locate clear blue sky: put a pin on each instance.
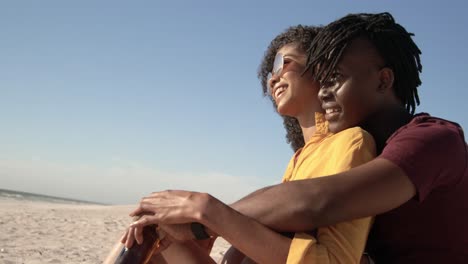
(110, 100)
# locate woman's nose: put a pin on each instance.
(272, 82)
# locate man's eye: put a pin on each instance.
(327, 84)
(336, 76)
(334, 79)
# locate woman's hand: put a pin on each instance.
(163, 239)
(133, 234)
(176, 232)
(167, 234)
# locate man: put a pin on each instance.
(417, 187)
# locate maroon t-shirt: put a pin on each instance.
(433, 226)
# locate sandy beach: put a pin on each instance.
(40, 232)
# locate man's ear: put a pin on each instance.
(386, 78)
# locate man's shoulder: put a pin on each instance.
(427, 118)
(431, 151)
(425, 125)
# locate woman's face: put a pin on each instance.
(294, 93)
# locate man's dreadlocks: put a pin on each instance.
(391, 40)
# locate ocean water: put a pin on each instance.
(24, 196)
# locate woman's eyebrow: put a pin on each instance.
(294, 55)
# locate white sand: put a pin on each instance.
(37, 232)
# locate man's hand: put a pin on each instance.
(171, 207)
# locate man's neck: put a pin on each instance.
(382, 124)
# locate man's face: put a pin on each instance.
(353, 93)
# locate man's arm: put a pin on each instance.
(370, 189)
(255, 193)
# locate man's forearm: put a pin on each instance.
(282, 207)
(302, 205)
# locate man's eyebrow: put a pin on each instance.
(338, 68)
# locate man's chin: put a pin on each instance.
(335, 127)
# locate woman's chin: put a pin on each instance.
(284, 109)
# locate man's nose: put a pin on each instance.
(324, 93)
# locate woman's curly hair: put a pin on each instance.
(303, 37)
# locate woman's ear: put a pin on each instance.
(386, 78)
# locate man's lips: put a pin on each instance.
(331, 111)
